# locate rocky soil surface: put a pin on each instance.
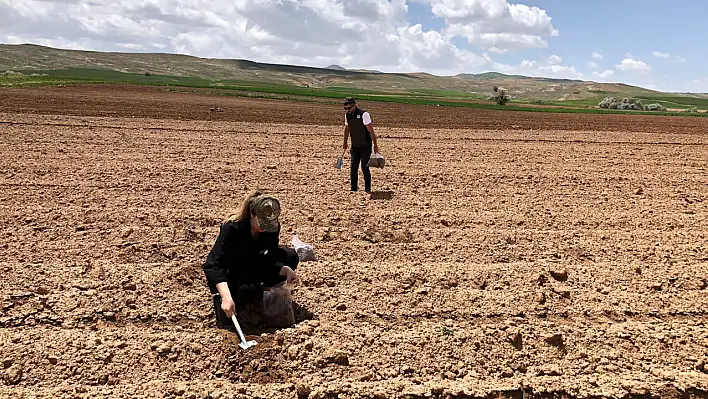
(500, 254)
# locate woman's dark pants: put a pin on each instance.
(243, 292)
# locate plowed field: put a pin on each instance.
(500, 254)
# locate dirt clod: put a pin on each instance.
(563, 292)
(559, 274)
(303, 391)
(516, 340)
(702, 365)
(554, 339)
(541, 298)
(638, 389)
(164, 348)
(335, 356)
(542, 279)
(180, 389)
(13, 375)
(550, 370)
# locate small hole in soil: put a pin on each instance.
(258, 364)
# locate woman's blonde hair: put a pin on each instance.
(245, 212)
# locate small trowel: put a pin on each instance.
(244, 344)
(340, 161)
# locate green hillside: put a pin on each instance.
(22, 65)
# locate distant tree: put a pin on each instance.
(609, 103)
(630, 104)
(499, 96)
(625, 103)
(655, 107)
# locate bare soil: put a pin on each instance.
(501, 254)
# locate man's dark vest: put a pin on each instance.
(357, 130)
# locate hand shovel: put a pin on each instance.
(244, 344)
(340, 161)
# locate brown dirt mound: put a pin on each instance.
(488, 262)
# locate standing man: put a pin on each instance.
(358, 126)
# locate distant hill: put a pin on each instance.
(366, 70)
(491, 76)
(28, 58)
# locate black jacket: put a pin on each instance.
(239, 258)
(359, 134)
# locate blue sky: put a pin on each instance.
(648, 27)
(654, 44)
(658, 33)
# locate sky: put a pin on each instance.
(651, 43)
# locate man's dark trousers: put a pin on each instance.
(360, 155)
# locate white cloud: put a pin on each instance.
(632, 65)
(353, 33)
(593, 65)
(663, 55)
(603, 76)
(549, 68)
(554, 59)
(495, 25)
(430, 50)
(597, 56)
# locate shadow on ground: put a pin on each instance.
(381, 195)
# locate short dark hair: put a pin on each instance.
(349, 100)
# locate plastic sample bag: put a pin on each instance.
(278, 306)
(376, 161)
(304, 250)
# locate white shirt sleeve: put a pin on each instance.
(366, 118)
(345, 120)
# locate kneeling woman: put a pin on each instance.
(246, 252)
